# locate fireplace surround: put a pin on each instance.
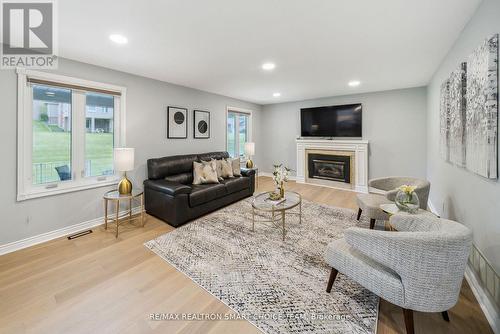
(354, 149)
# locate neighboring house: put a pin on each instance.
(99, 119)
(53, 105)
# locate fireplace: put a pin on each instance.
(329, 167)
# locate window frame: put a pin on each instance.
(25, 189)
(246, 112)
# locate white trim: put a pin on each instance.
(432, 208)
(359, 147)
(490, 311)
(25, 190)
(44, 237)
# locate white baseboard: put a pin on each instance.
(490, 310)
(62, 232)
(432, 208)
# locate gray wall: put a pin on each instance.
(455, 192)
(393, 122)
(146, 108)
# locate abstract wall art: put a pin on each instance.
(482, 109)
(176, 123)
(201, 124)
(469, 112)
(444, 121)
(456, 119)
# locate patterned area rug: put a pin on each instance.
(278, 286)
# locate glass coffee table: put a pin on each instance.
(278, 209)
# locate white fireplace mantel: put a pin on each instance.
(359, 147)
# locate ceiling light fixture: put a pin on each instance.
(118, 39)
(268, 66)
(354, 83)
(276, 94)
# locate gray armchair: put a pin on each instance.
(369, 204)
(420, 267)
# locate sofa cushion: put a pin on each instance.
(161, 167)
(167, 187)
(236, 184)
(203, 193)
(184, 178)
(213, 155)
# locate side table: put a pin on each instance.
(392, 209)
(116, 197)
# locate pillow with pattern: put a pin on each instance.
(235, 163)
(226, 169)
(205, 172)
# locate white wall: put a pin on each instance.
(146, 113)
(393, 122)
(455, 192)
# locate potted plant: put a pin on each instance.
(407, 199)
(280, 176)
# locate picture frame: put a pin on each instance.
(177, 119)
(201, 124)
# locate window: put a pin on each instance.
(238, 131)
(67, 129)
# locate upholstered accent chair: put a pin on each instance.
(369, 204)
(419, 267)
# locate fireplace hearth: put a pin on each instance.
(329, 167)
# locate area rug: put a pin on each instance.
(279, 286)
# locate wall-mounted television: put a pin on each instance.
(331, 121)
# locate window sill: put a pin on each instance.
(65, 188)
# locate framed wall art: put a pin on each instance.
(201, 124)
(176, 123)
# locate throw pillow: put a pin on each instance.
(226, 169)
(235, 163)
(205, 172)
(218, 168)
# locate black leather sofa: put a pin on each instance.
(170, 195)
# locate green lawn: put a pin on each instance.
(52, 148)
(231, 146)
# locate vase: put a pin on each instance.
(282, 190)
(407, 202)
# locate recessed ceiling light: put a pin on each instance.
(276, 94)
(118, 39)
(354, 83)
(268, 66)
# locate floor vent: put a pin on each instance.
(79, 234)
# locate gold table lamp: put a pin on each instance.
(249, 151)
(124, 162)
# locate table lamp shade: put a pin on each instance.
(124, 159)
(250, 149)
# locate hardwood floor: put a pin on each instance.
(99, 284)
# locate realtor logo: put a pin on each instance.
(28, 34)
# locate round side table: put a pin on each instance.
(392, 209)
(115, 196)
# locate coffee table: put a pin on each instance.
(278, 210)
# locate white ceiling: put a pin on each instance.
(219, 45)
